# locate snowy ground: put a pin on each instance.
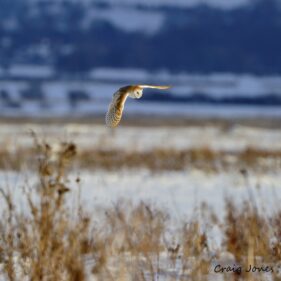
(179, 192)
(234, 138)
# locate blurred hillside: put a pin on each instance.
(67, 57)
(74, 37)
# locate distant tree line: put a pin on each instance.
(200, 39)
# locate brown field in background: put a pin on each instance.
(206, 159)
(153, 121)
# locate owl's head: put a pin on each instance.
(136, 93)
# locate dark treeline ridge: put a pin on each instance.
(199, 39)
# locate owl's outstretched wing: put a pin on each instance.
(154, 87)
(115, 109)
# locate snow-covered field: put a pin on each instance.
(234, 138)
(177, 191)
(181, 194)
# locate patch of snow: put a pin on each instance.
(31, 71)
(13, 89)
(183, 3)
(178, 193)
(10, 24)
(119, 74)
(203, 111)
(217, 85)
(128, 19)
(230, 4)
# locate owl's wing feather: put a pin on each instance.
(115, 110)
(154, 87)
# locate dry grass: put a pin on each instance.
(148, 121)
(50, 241)
(154, 160)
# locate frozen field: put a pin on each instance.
(179, 192)
(140, 215)
(232, 138)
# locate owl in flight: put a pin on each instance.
(115, 110)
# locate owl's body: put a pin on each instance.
(115, 110)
